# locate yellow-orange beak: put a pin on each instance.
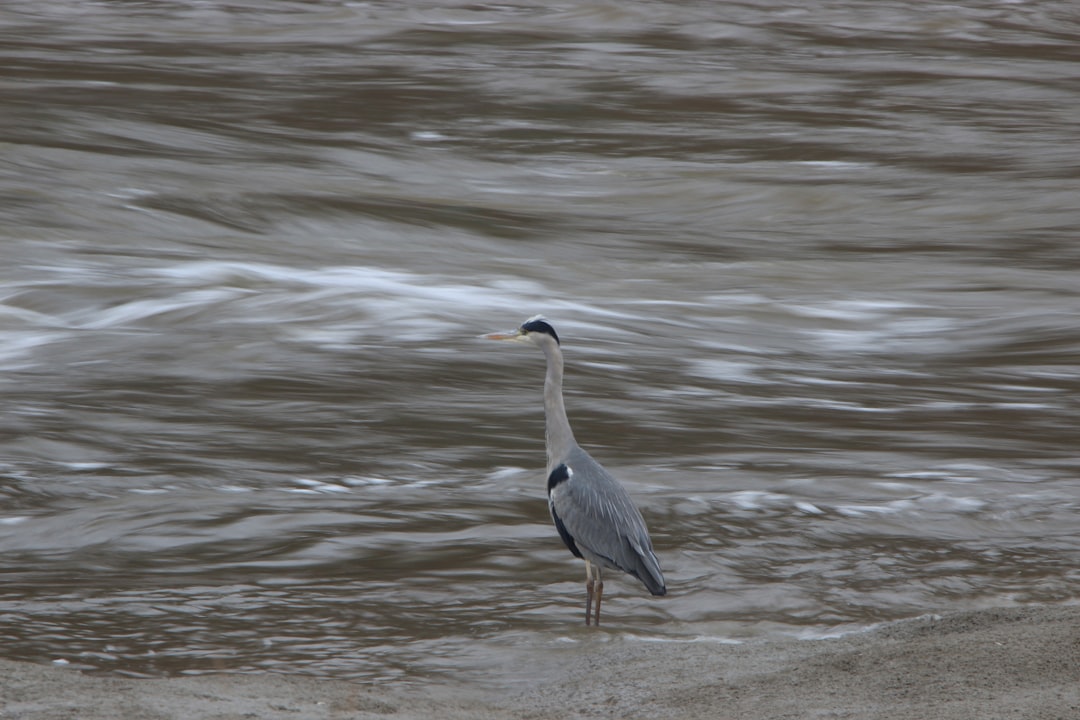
(509, 335)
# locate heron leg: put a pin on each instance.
(588, 592)
(598, 589)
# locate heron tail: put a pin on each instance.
(647, 569)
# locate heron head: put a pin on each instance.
(530, 331)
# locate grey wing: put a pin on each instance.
(599, 515)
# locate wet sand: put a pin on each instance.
(1017, 662)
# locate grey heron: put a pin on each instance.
(593, 513)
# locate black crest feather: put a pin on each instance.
(539, 325)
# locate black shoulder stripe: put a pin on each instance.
(559, 475)
(567, 538)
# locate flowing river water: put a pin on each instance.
(814, 265)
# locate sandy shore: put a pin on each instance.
(1003, 663)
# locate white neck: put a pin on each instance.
(560, 438)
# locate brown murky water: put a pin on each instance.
(814, 265)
